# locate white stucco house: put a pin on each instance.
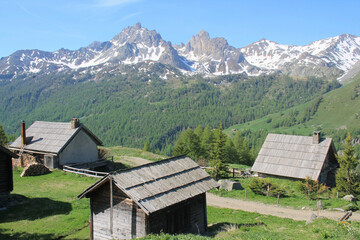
(56, 144)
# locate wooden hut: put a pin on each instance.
(6, 174)
(165, 196)
(57, 143)
(298, 157)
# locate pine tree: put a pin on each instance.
(199, 131)
(346, 180)
(147, 147)
(189, 144)
(218, 156)
(3, 137)
(231, 155)
(207, 141)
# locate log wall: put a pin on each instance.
(6, 177)
(185, 217)
(128, 220)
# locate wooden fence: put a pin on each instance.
(85, 172)
(85, 168)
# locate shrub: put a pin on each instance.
(258, 186)
(311, 188)
(351, 207)
(265, 187)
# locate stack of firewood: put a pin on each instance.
(35, 169)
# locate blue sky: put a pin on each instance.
(53, 24)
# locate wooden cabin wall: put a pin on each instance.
(328, 171)
(6, 177)
(128, 218)
(185, 217)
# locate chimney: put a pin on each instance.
(316, 137)
(23, 133)
(75, 123)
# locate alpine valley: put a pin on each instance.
(138, 87)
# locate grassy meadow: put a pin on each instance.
(293, 199)
(120, 151)
(48, 209)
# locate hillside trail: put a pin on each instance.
(133, 161)
(258, 207)
(274, 210)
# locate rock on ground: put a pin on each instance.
(229, 185)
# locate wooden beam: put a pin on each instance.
(111, 206)
(91, 220)
(205, 211)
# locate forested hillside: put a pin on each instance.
(130, 109)
(334, 114)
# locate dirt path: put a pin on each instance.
(267, 209)
(249, 206)
(133, 161)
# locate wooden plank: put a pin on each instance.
(111, 206)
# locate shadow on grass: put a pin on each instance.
(33, 208)
(226, 226)
(112, 166)
(23, 235)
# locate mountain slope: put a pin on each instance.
(336, 110)
(329, 58)
(130, 109)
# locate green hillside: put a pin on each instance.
(131, 109)
(336, 113)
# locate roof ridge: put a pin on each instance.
(147, 164)
(162, 177)
(179, 187)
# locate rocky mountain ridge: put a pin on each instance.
(330, 58)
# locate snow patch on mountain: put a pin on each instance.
(201, 54)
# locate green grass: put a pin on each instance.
(239, 166)
(339, 109)
(48, 207)
(237, 224)
(119, 151)
(295, 199)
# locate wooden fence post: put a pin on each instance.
(111, 207)
(245, 194)
(278, 198)
(233, 172)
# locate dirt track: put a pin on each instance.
(133, 161)
(267, 209)
(249, 206)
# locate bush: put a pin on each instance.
(311, 188)
(266, 188)
(351, 207)
(276, 190)
(258, 186)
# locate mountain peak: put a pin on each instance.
(137, 25)
(136, 44)
(203, 34)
